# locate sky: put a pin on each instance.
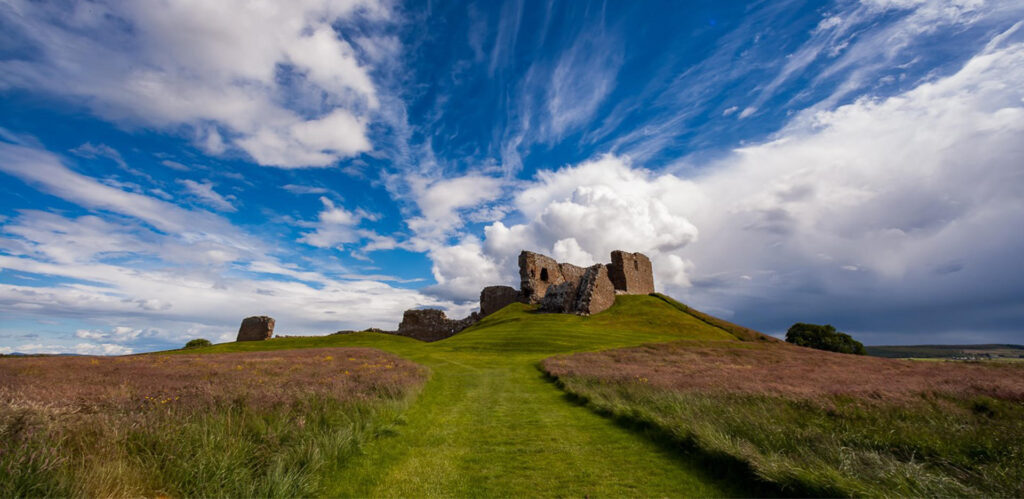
(168, 168)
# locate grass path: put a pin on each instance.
(489, 424)
(497, 429)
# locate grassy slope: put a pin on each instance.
(489, 424)
(743, 333)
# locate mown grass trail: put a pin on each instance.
(489, 424)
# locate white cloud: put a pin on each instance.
(204, 191)
(303, 189)
(335, 226)
(461, 271)
(895, 188)
(174, 165)
(46, 171)
(569, 250)
(440, 202)
(580, 213)
(582, 79)
(89, 150)
(215, 67)
(118, 334)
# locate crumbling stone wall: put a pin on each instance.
(631, 273)
(432, 325)
(560, 298)
(256, 328)
(495, 298)
(536, 273)
(596, 292)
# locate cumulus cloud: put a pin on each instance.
(896, 188)
(902, 207)
(278, 82)
(461, 269)
(336, 226)
(580, 213)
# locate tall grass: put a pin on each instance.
(232, 443)
(859, 436)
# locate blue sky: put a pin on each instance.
(169, 168)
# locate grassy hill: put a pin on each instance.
(519, 329)
(489, 423)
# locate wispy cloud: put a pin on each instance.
(205, 193)
(304, 189)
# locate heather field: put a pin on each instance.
(819, 423)
(240, 424)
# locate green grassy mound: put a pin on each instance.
(518, 328)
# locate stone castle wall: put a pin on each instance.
(631, 273)
(495, 298)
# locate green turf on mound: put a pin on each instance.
(632, 320)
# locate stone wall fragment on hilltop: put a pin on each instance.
(495, 298)
(536, 273)
(631, 273)
(596, 292)
(432, 324)
(256, 328)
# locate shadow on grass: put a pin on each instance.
(731, 472)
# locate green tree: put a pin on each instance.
(198, 342)
(823, 338)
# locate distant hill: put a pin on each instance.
(966, 352)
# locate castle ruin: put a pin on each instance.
(567, 288)
(554, 287)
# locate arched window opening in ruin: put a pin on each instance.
(544, 275)
(533, 273)
(636, 266)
